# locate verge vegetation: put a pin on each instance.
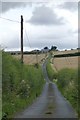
(21, 84)
(51, 73)
(67, 81)
(0, 84)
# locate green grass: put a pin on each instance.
(21, 84)
(51, 73)
(0, 84)
(67, 81)
(68, 85)
(79, 91)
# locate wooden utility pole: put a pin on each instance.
(21, 39)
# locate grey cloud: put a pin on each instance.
(45, 16)
(73, 6)
(0, 6)
(61, 41)
(44, 42)
(12, 5)
(11, 43)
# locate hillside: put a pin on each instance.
(57, 63)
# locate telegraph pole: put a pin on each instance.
(21, 39)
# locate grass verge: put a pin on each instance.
(51, 73)
(67, 81)
(68, 85)
(21, 84)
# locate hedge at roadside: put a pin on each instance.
(68, 82)
(21, 84)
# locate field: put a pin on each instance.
(65, 52)
(65, 62)
(31, 59)
(57, 63)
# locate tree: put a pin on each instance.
(53, 48)
(46, 48)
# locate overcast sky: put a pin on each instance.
(45, 24)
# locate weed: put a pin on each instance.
(67, 81)
(21, 84)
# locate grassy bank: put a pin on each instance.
(21, 84)
(51, 73)
(67, 82)
(68, 85)
(0, 84)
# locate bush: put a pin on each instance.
(67, 81)
(21, 84)
(51, 73)
(68, 84)
(23, 89)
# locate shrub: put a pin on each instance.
(67, 81)
(51, 73)
(23, 89)
(21, 84)
(68, 84)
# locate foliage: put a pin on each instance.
(68, 84)
(53, 48)
(23, 89)
(67, 81)
(79, 91)
(0, 83)
(46, 48)
(67, 55)
(51, 73)
(21, 84)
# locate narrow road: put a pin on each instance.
(50, 104)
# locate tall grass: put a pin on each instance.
(21, 84)
(0, 84)
(67, 82)
(79, 91)
(51, 73)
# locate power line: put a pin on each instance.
(10, 20)
(32, 58)
(17, 22)
(27, 38)
(31, 47)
